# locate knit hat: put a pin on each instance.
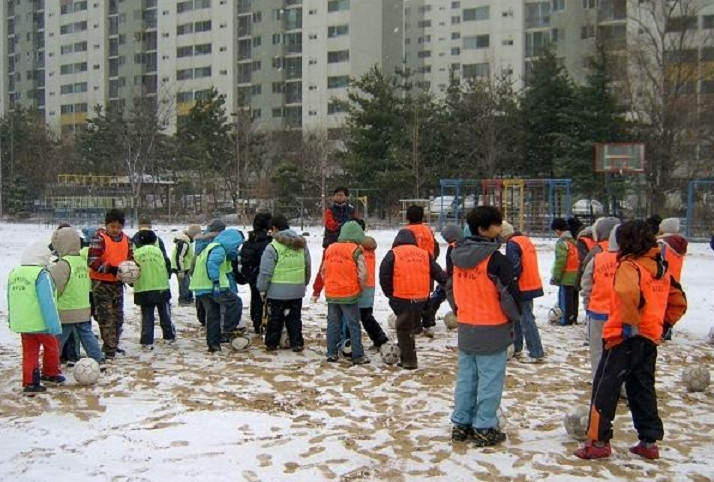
(507, 229)
(145, 237)
(669, 225)
(452, 232)
(603, 227)
(216, 226)
(192, 230)
(144, 222)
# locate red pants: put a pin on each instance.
(31, 343)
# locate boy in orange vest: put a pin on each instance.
(486, 295)
(565, 271)
(643, 298)
(674, 250)
(345, 275)
(405, 276)
(522, 255)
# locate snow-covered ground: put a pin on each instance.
(181, 414)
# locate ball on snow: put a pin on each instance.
(86, 371)
(576, 423)
(450, 321)
(345, 349)
(696, 379)
(128, 271)
(240, 343)
(555, 314)
(389, 352)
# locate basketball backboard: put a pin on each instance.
(620, 157)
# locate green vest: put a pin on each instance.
(290, 268)
(187, 259)
(76, 293)
(153, 270)
(200, 279)
(24, 312)
(84, 252)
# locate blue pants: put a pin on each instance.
(568, 302)
(185, 295)
(86, 337)
(147, 323)
(526, 328)
(479, 387)
(350, 313)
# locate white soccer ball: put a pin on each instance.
(696, 379)
(284, 339)
(128, 271)
(392, 321)
(501, 419)
(450, 321)
(389, 352)
(555, 314)
(576, 423)
(86, 371)
(240, 343)
(345, 349)
(510, 351)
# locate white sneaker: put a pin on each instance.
(529, 359)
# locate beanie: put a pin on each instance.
(216, 226)
(192, 230)
(451, 233)
(669, 225)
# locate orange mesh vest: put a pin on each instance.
(114, 253)
(655, 293)
(424, 237)
(604, 265)
(411, 272)
(675, 261)
(370, 260)
(476, 296)
(588, 242)
(530, 276)
(572, 262)
(341, 277)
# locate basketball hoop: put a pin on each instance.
(620, 158)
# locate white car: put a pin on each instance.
(587, 207)
(446, 203)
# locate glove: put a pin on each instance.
(554, 281)
(314, 299)
(216, 290)
(628, 331)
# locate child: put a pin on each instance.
(181, 261)
(405, 277)
(284, 274)
(674, 250)
(452, 234)
(521, 252)
(644, 296)
(145, 225)
(151, 290)
(345, 276)
(486, 295)
(201, 241)
(250, 254)
(71, 277)
(32, 312)
(109, 247)
(565, 271)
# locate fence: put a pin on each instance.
(700, 209)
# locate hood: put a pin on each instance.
(66, 241)
(369, 243)
(230, 239)
(452, 232)
(36, 254)
(612, 245)
(182, 237)
(472, 251)
(290, 238)
(351, 231)
(652, 262)
(404, 236)
(586, 232)
(566, 235)
(603, 227)
(676, 242)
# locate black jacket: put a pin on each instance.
(250, 253)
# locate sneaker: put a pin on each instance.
(333, 358)
(121, 351)
(530, 359)
(102, 366)
(147, 347)
(461, 433)
(407, 366)
(593, 450)
(33, 389)
(110, 356)
(272, 348)
(298, 349)
(55, 380)
(362, 360)
(374, 348)
(646, 449)
(70, 363)
(428, 332)
(172, 341)
(214, 348)
(486, 437)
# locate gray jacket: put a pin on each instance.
(270, 259)
(66, 242)
(586, 282)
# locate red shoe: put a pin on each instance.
(646, 450)
(592, 451)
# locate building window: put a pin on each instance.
(538, 14)
(338, 30)
(337, 56)
(455, 35)
(587, 32)
(423, 54)
(277, 112)
(338, 5)
(477, 42)
(478, 13)
(186, 51)
(424, 24)
(536, 42)
(455, 4)
(184, 74)
(184, 29)
(338, 82)
(202, 49)
(455, 51)
(336, 107)
(708, 22)
(591, 4)
(476, 70)
(558, 5)
(204, 26)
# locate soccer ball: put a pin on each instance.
(450, 321)
(240, 343)
(696, 379)
(389, 352)
(392, 321)
(86, 371)
(510, 351)
(555, 314)
(345, 349)
(576, 423)
(501, 419)
(128, 271)
(284, 339)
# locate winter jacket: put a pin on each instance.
(270, 262)
(182, 254)
(67, 242)
(152, 288)
(565, 267)
(351, 233)
(514, 253)
(105, 254)
(335, 216)
(586, 282)
(251, 253)
(160, 245)
(227, 249)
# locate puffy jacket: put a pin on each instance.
(270, 261)
(251, 253)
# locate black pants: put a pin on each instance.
(408, 318)
(632, 362)
(437, 297)
(200, 312)
(569, 304)
(147, 323)
(284, 313)
(256, 308)
(372, 327)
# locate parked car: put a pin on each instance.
(588, 207)
(448, 203)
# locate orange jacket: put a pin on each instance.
(424, 237)
(114, 253)
(477, 297)
(604, 265)
(644, 296)
(412, 279)
(340, 272)
(529, 280)
(370, 261)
